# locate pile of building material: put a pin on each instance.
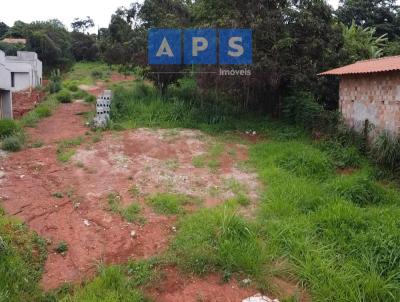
(103, 106)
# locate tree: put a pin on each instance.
(361, 43)
(380, 14)
(3, 29)
(82, 25)
(51, 41)
(84, 47)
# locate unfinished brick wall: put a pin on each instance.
(374, 97)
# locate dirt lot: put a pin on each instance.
(68, 201)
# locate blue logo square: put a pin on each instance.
(164, 46)
(235, 46)
(200, 46)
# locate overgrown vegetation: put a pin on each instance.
(336, 230)
(22, 256)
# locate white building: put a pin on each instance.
(5, 89)
(26, 70)
(17, 73)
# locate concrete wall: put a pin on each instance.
(22, 81)
(27, 69)
(374, 97)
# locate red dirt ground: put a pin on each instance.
(176, 288)
(24, 101)
(152, 161)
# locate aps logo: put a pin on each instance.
(200, 46)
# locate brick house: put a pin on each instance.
(370, 92)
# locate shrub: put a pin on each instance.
(55, 81)
(79, 95)
(72, 87)
(64, 96)
(62, 247)
(12, 143)
(97, 74)
(8, 127)
(90, 99)
(385, 151)
(301, 108)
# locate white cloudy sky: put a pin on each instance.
(66, 10)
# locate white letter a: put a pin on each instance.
(164, 49)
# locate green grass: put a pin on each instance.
(219, 240)
(44, 109)
(131, 213)
(337, 231)
(88, 72)
(115, 283)
(170, 204)
(65, 149)
(22, 256)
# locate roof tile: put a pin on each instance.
(368, 66)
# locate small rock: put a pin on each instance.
(2, 174)
(86, 222)
(133, 234)
(246, 281)
(174, 229)
(254, 133)
(22, 176)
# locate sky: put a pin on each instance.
(66, 10)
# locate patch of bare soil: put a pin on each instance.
(175, 288)
(64, 124)
(68, 202)
(24, 101)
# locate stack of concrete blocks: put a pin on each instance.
(103, 106)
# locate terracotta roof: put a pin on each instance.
(367, 66)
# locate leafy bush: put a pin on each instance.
(90, 98)
(8, 127)
(64, 96)
(72, 87)
(301, 108)
(12, 143)
(97, 74)
(62, 247)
